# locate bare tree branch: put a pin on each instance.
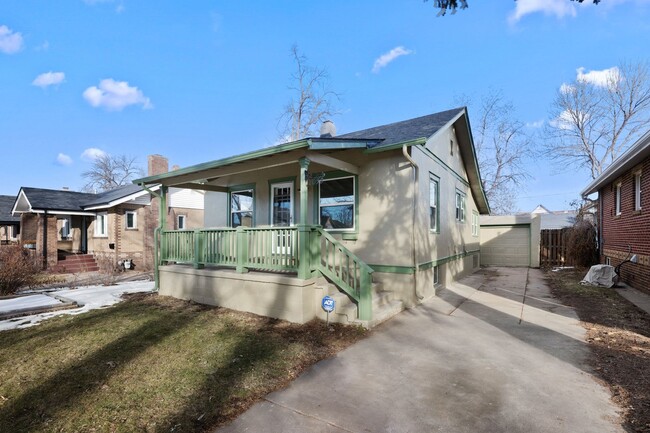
(593, 123)
(108, 172)
(312, 103)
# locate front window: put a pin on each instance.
(180, 222)
(618, 199)
(64, 230)
(241, 208)
(131, 218)
(460, 206)
(101, 224)
(336, 203)
(433, 204)
(637, 191)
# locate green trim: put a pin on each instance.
(336, 174)
(440, 162)
(237, 188)
(506, 225)
(409, 270)
(350, 236)
(272, 182)
(226, 161)
(316, 144)
(394, 146)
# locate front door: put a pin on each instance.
(282, 214)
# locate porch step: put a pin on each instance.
(75, 263)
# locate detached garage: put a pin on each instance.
(510, 241)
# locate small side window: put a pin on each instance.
(180, 222)
(131, 219)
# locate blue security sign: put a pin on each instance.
(328, 304)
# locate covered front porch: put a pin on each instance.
(282, 216)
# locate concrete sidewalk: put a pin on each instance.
(493, 353)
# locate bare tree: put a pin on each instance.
(594, 121)
(502, 146)
(312, 102)
(109, 172)
(452, 5)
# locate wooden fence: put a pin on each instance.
(553, 248)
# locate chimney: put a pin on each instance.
(175, 167)
(158, 164)
(327, 129)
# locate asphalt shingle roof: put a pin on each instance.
(112, 195)
(398, 132)
(53, 199)
(6, 204)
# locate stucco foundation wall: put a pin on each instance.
(271, 295)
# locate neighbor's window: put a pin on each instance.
(241, 208)
(474, 223)
(131, 218)
(617, 198)
(180, 222)
(65, 228)
(336, 203)
(433, 204)
(460, 206)
(101, 224)
(637, 191)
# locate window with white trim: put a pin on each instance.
(101, 224)
(617, 198)
(460, 206)
(433, 204)
(180, 222)
(336, 203)
(131, 219)
(474, 223)
(637, 191)
(436, 276)
(241, 208)
(65, 231)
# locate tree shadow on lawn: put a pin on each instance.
(38, 406)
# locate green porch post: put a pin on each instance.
(162, 221)
(304, 262)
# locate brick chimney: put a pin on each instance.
(158, 164)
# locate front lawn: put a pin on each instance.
(152, 364)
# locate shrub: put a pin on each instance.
(582, 244)
(17, 269)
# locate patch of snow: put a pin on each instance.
(24, 302)
(88, 297)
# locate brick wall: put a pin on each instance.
(50, 258)
(629, 231)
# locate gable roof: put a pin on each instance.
(637, 153)
(61, 201)
(6, 203)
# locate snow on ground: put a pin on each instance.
(88, 297)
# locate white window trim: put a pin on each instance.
(617, 198)
(135, 219)
(436, 206)
(252, 210)
(460, 207)
(353, 203)
(178, 222)
(637, 191)
(475, 223)
(66, 228)
(104, 225)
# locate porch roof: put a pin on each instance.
(6, 203)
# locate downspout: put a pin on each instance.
(414, 216)
(157, 230)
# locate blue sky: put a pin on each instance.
(201, 80)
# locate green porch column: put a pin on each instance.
(304, 251)
(162, 223)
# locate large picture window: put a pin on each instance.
(433, 204)
(241, 208)
(336, 203)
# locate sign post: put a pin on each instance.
(328, 305)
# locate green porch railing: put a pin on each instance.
(273, 249)
(344, 269)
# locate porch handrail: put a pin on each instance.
(344, 269)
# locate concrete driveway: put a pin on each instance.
(492, 353)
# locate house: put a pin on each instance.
(64, 226)
(376, 218)
(554, 220)
(624, 213)
(9, 224)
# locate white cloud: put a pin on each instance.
(92, 153)
(383, 60)
(566, 119)
(63, 159)
(10, 42)
(535, 124)
(48, 79)
(566, 88)
(43, 47)
(115, 95)
(559, 8)
(598, 78)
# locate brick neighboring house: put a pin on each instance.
(9, 224)
(111, 226)
(624, 213)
